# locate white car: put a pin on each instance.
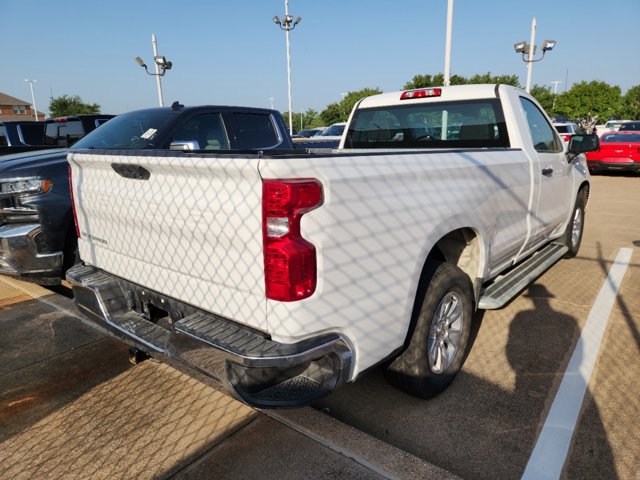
(611, 125)
(334, 132)
(567, 130)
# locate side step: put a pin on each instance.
(505, 287)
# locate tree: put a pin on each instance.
(590, 101)
(437, 80)
(545, 97)
(631, 104)
(339, 112)
(67, 105)
(303, 120)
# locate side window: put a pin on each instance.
(207, 130)
(254, 130)
(544, 136)
(3, 137)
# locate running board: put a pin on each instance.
(507, 286)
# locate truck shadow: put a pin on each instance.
(480, 428)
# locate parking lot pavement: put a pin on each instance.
(71, 406)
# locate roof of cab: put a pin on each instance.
(451, 93)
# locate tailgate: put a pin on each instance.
(186, 226)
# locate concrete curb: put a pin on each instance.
(376, 455)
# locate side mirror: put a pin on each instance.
(184, 145)
(583, 143)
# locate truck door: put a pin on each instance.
(552, 174)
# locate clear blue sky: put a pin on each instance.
(230, 52)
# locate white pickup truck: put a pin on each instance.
(281, 275)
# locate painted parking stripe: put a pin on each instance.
(550, 452)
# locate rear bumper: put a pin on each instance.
(600, 166)
(20, 255)
(246, 363)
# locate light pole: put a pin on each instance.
(529, 50)
(447, 49)
(287, 24)
(33, 97)
(162, 65)
(555, 91)
(271, 100)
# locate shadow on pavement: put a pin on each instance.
(479, 429)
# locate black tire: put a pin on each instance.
(438, 344)
(575, 228)
(70, 252)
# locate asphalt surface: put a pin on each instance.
(71, 406)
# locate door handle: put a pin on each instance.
(547, 171)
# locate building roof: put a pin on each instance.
(9, 100)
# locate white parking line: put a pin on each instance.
(549, 455)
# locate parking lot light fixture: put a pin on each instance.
(162, 65)
(33, 97)
(528, 51)
(287, 24)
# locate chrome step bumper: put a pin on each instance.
(254, 368)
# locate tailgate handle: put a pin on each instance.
(547, 171)
(135, 172)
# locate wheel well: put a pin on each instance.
(461, 248)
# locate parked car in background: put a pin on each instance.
(618, 151)
(629, 126)
(610, 126)
(311, 132)
(567, 130)
(65, 131)
(21, 136)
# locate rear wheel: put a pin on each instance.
(439, 341)
(575, 228)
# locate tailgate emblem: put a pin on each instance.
(135, 172)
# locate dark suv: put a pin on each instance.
(21, 136)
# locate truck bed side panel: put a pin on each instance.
(382, 215)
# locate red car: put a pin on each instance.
(618, 151)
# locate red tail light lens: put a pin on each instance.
(422, 93)
(73, 204)
(566, 137)
(289, 259)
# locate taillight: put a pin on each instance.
(73, 204)
(289, 259)
(566, 137)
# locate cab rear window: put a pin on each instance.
(464, 124)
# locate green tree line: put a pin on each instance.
(586, 102)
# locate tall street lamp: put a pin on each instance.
(287, 24)
(33, 97)
(162, 65)
(528, 50)
(555, 84)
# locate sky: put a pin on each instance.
(232, 53)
